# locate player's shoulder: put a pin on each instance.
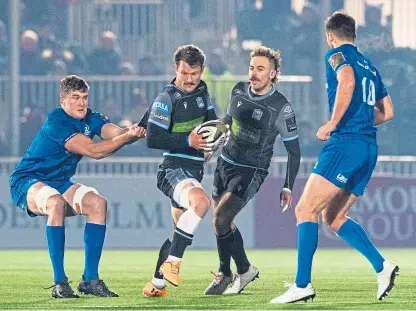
(95, 115)
(240, 88)
(58, 116)
(281, 103)
(279, 97)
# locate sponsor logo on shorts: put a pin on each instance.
(341, 178)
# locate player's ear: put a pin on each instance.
(176, 68)
(272, 73)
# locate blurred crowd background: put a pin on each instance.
(124, 49)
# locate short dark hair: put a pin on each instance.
(342, 25)
(191, 54)
(273, 56)
(73, 83)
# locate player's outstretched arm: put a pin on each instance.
(383, 111)
(110, 130)
(82, 144)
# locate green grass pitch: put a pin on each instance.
(343, 280)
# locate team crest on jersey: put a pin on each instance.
(177, 95)
(257, 113)
(336, 59)
(200, 102)
(87, 130)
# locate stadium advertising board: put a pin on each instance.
(387, 211)
(139, 217)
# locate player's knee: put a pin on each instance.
(98, 206)
(55, 207)
(306, 212)
(199, 201)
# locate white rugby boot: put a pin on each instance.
(295, 294)
(385, 279)
(241, 281)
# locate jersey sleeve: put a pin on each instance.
(161, 110)
(211, 114)
(286, 123)
(97, 121)
(336, 60)
(60, 131)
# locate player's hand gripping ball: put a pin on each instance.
(216, 134)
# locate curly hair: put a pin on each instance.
(273, 56)
(73, 83)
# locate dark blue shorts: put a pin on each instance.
(347, 163)
(20, 188)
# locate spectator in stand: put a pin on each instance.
(147, 66)
(106, 59)
(127, 69)
(30, 123)
(31, 62)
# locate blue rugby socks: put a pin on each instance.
(56, 246)
(354, 234)
(94, 235)
(307, 243)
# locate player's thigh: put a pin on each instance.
(84, 200)
(41, 198)
(219, 183)
(179, 183)
(316, 196)
(243, 182)
(340, 160)
(358, 183)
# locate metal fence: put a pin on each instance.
(387, 166)
(45, 90)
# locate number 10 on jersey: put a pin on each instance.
(369, 92)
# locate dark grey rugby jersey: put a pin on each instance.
(255, 123)
(173, 115)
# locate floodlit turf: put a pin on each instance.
(342, 278)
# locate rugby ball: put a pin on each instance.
(215, 133)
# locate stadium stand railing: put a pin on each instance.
(387, 166)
